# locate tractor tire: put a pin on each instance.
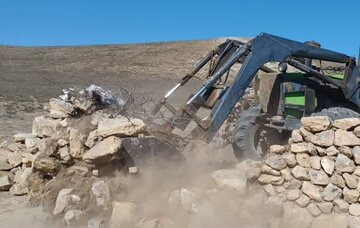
(335, 113)
(246, 135)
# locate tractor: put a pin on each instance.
(307, 80)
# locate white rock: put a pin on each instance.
(101, 192)
(63, 200)
(328, 165)
(103, 150)
(346, 123)
(120, 126)
(312, 191)
(72, 217)
(188, 201)
(345, 138)
(316, 123)
(230, 179)
(354, 209)
(318, 177)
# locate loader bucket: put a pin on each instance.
(147, 151)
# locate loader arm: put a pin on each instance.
(253, 55)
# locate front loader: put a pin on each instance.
(309, 81)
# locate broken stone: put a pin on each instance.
(315, 162)
(276, 162)
(296, 136)
(14, 147)
(45, 126)
(286, 173)
(318, 177)
(293, 194)
(46, 164)
(61, 106)
(20, 137)
(303, 200)
(344, 164)
(277, 149)
(357, 131)
(303, 148)
(15, 159)
(354, 209)
(306, 134)
(311, 190)
(328, 165)
(32, 144)
(268, 170)
(123, 214)
(331, 192)
(300, 173)
(63, 200)
(48, 146)
(102, 194)
(62, 142)
(72, 217)
(27, 159)
(64, 153)
(56, 114)
(350, 180)
(356, 153)
(346, 123)
(345, 138)
(269, 179)
(350, 196)
(321, 151)
(316, 123)
(21, 182)
(103, 150)
(92, 139)
(5, 183)
(303, 160)
(332, 151)
(120, 126)
(313, 209)
(269, 190)
(341, 206)
(337, 180)
(188, 201)
(325, 207)
(80, 170)
(345, 150)
(290, 159)
(230, 179)
(324, 138)
(251, 168)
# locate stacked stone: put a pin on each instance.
(72, 135)
(319, 169)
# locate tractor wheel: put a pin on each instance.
(246, 135)
(335, 113)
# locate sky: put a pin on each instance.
(335, 24)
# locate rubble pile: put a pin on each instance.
(318, 172)
(79, 133)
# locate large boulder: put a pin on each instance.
(345, 138)
(230, 179)
(120, 126)
(347, 123)
(316, 123)
(45, 126)
(103, 150)
(79, 132)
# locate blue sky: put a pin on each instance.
(335, 24)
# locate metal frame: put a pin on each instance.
(253, 55)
